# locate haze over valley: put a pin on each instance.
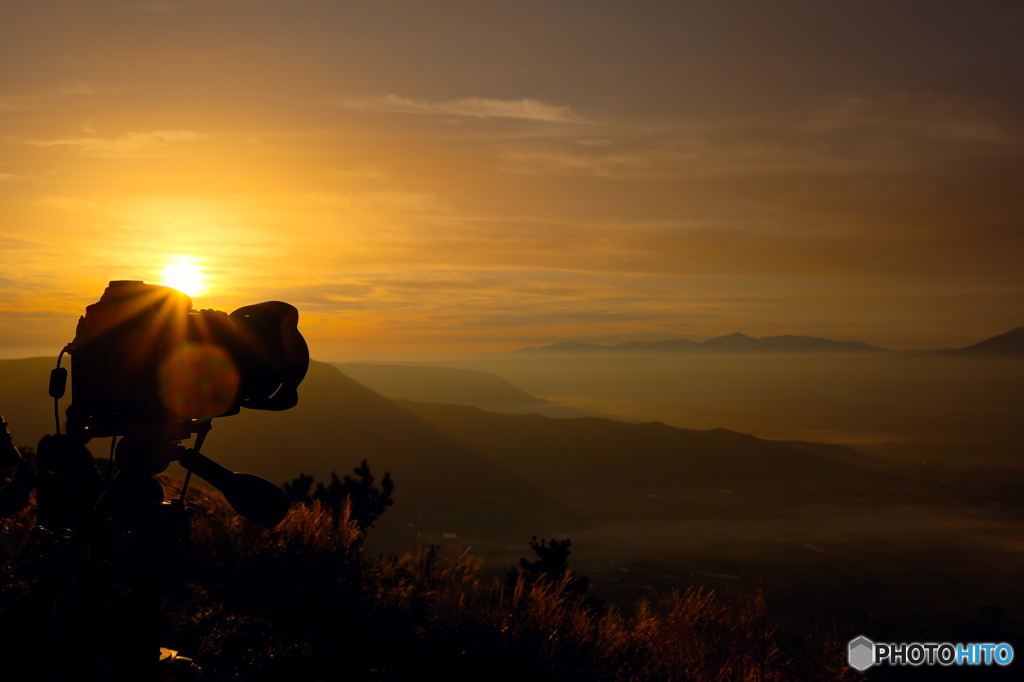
(726, 469)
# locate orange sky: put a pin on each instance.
(424, 178)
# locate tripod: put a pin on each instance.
(97, 607)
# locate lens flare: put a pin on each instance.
(185, 275)
(199, 381)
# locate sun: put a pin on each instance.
(186, 275)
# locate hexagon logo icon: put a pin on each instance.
(862, 653)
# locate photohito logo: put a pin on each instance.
(863, 653)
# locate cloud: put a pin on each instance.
(172, 5)
(124, 145)
(429, 284)
(916, 115)
(914, 134)
(378, 201)
(469, 107)
(49, 97)
(561, 162)
(359, 173)
(77, 88)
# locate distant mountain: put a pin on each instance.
(632, 337)
(732, 343)
(567, 347)
(808, 344)
(1010, 344)
(659, 346)
(452, 386)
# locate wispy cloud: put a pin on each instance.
(563, 162)
(914, 115)
(123, 145)
(914, 133)
(469, 107)
(172, 5)
(359, 173)
(49, 97)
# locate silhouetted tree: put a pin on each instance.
(551, 564)
(298, 489)
(368, 500)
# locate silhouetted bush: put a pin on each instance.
(367, 501)
(552, 564)
(302, 602)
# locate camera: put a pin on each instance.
(144, 362)
(148, 371)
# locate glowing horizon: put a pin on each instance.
(729, 170)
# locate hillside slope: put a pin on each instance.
(441, 484)
(452, 386)
(1008, 345)
(611, 470)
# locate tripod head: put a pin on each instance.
(255, 498)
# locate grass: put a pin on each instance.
(303, 601)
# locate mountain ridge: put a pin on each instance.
(735, 342)
(1010, 343)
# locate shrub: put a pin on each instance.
(303, 602)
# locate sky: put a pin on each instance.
(440, 178)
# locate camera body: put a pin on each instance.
(143, 361)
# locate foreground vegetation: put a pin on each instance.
(305, 602)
